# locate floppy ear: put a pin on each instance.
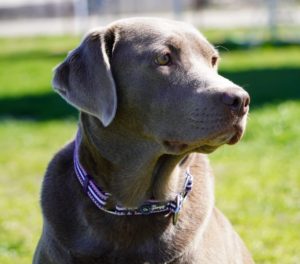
(85, 79)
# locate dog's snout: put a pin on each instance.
(237, 101)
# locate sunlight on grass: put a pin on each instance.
(257, 183)
(28, 63)
(26, 150)
(259, 58)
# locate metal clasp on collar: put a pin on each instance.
(179, 200)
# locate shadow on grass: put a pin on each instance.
(264, 86)
(40, 107)
(231, 44)
(34, 55)
(268, 85)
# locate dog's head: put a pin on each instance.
(158, 79)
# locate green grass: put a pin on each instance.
(26, 147)
(40, 55)
(257, 181)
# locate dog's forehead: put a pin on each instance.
(164, 31)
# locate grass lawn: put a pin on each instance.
(257, 181)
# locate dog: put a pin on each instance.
(136, 185)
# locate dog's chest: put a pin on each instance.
(143, 241)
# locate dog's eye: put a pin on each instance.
(163, 60)
(214, 60)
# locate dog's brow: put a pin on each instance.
(174, 42)
(216, 52)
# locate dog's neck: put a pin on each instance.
(132, 169)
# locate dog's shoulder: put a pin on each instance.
(59, 169)
(62, 162)
(57, 189)
(221, 239)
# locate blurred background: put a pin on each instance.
(52, 17)
(257, 181)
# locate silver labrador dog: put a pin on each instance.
(136, 186)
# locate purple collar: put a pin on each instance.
(100, 197)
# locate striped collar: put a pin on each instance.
(100, 197)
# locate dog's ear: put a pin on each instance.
(85, 78)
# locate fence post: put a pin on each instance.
(177, 7)
(81, 14)
(273, 18)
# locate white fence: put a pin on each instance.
(29, 17)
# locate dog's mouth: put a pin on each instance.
(179, 147)
(239, 131)
(175, 146)
(229, 136)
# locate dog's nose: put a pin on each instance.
(237, 100)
